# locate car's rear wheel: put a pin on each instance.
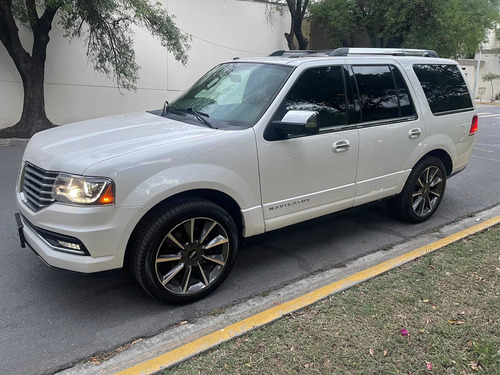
(187, 252)
(423, 191)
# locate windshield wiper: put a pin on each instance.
(200, 116)
(165, 108)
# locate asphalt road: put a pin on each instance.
(50, 318)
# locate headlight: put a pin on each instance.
(83, 190)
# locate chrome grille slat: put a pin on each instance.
(34, 194)
(37, 186)
(32, 201)
(35, 181)
(37, 190)
(39, 175)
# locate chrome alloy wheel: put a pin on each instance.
(192, 256)
(427, 191)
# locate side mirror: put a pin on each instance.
(298, 122)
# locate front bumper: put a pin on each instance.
(104, 231)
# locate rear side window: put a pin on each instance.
(405, 102)
(322, 90)
(383, 93)
(444, 87)
(377, 91)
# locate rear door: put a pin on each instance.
(390, 131)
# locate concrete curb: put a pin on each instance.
(13, 142)
(179, 343)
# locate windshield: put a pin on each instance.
(233, 94)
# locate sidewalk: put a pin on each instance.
(439, 314)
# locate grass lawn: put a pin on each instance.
(448, 302)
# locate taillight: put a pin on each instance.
(473, 126)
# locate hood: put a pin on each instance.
(75, 147)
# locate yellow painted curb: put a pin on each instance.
(206, 342)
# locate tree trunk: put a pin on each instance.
(33, 118)
(30, 67)
(289, 41)
(301, 39)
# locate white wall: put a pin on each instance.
(220, 29)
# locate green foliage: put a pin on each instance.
(488, 77)
(337, 19)
(106, 28)
(454, 28)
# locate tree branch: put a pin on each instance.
(304, 8)
(9, 35)
(32, 13)
(291, 7)
(41, 32)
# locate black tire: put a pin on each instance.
(167, 246)
(418, 186)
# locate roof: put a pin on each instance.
(299, 57)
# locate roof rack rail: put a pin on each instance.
(298, 53)
(383, 51)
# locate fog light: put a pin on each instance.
(69, 245)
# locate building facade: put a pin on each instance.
(220, 30)
(489, 63)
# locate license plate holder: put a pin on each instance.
(20, 228)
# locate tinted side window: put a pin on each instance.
(405, 102)
(322, 90)
(444, 87)
(377, 92)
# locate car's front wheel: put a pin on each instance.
(186, 252)
(423, 191)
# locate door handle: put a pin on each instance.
(341, 146)
(414, 133)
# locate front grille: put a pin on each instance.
(37, 186)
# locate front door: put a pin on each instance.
(306, 176)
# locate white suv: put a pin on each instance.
(253, 146)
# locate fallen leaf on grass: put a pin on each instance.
(385, 352)
(226, 366)
(476, 366)
(425, 300)
(372, 353)
(456, 322)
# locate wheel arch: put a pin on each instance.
(219, 198)
(441, 155)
